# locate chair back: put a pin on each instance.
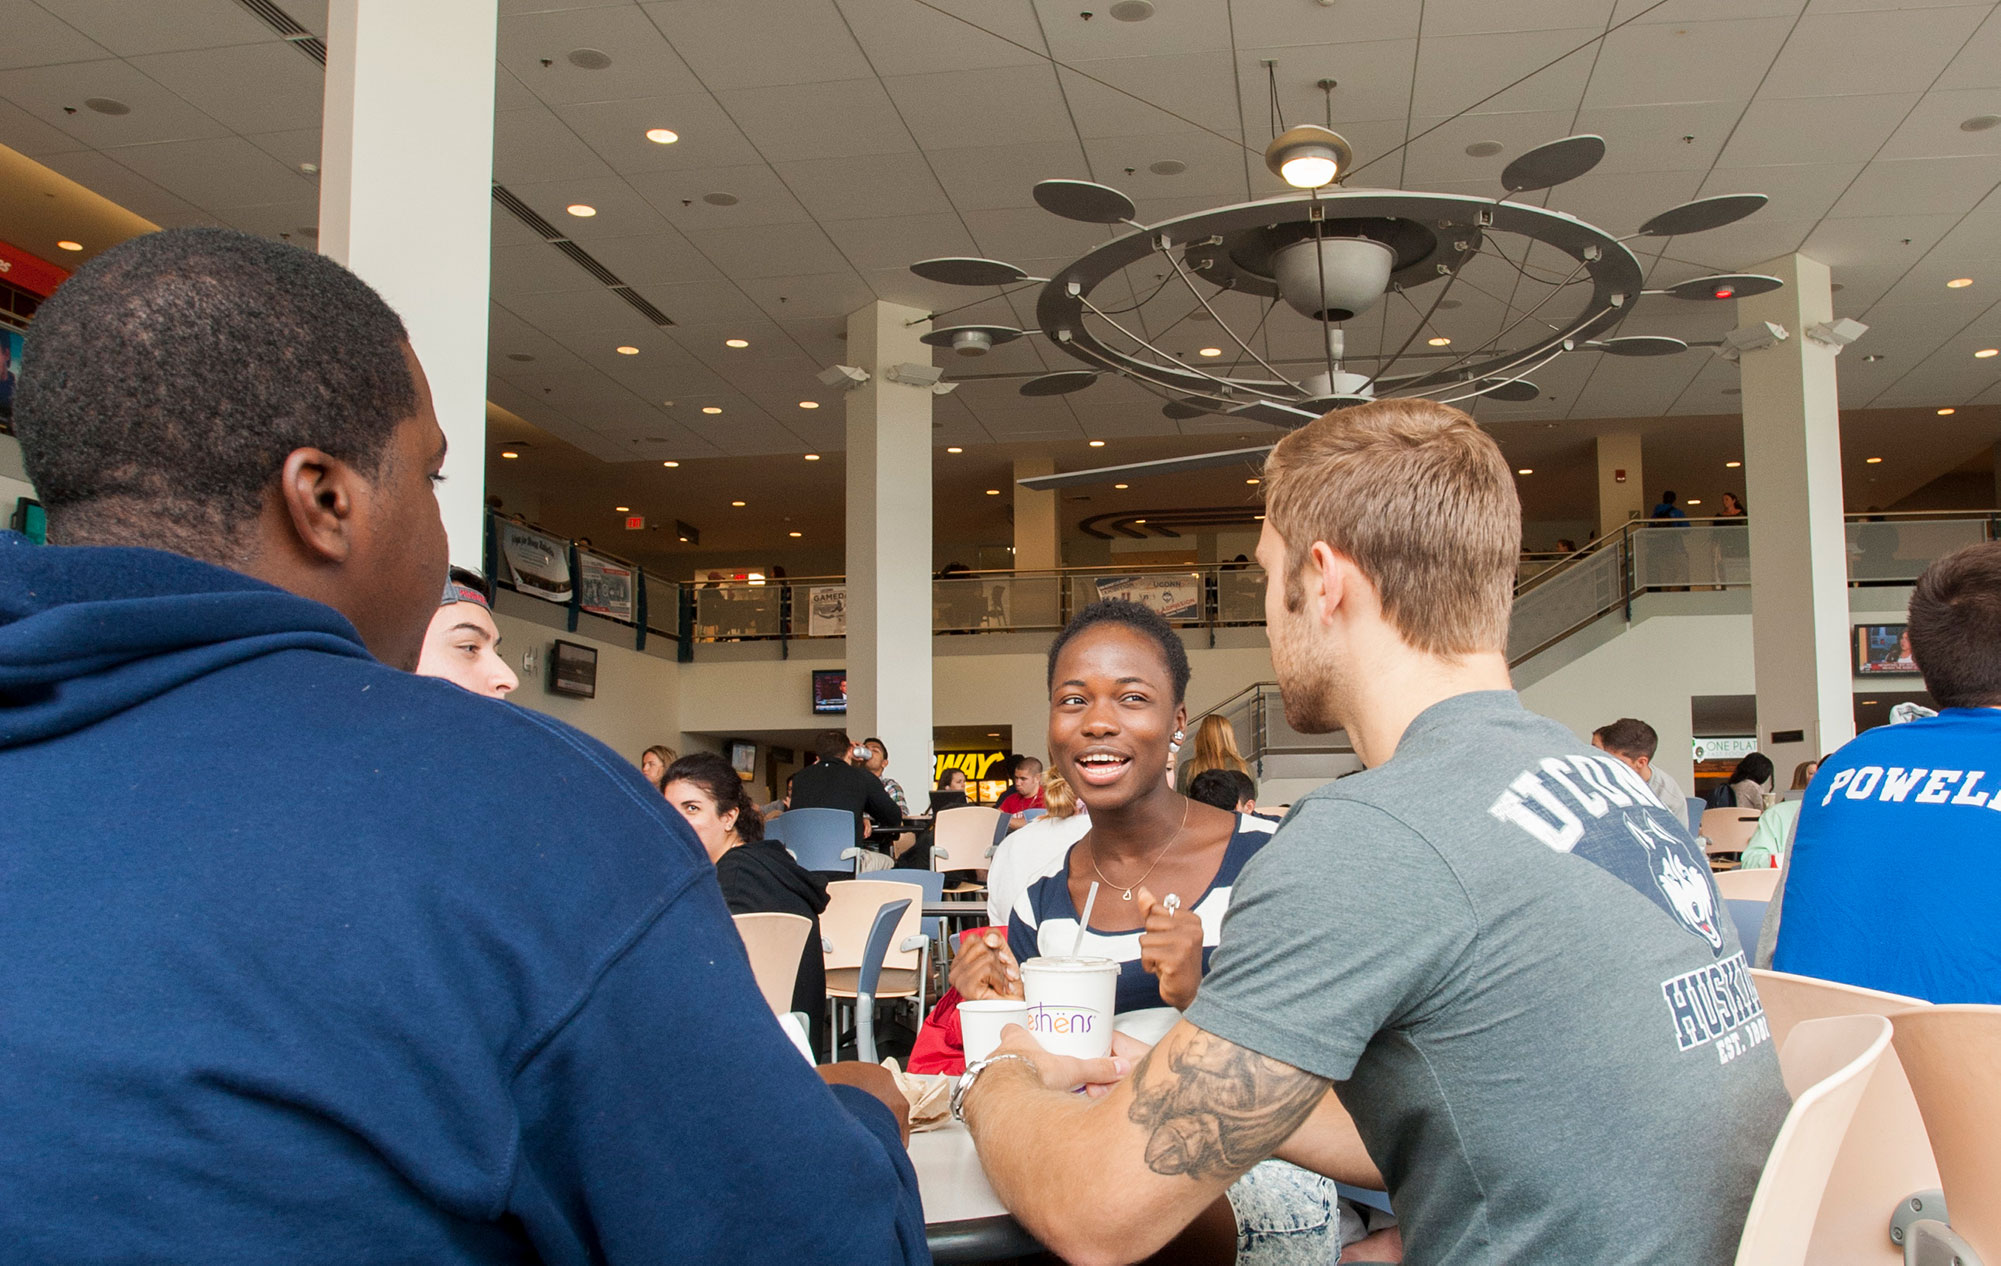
(818, 837)
(850, 916)
(1887, 1156)
(1953, 1057)
(1696, 807)
(933, 884)
(962, 838)
(1748, 917)
(1748, 885)
(1727, 830)
(775, 943)
(870, 975)
(1827, 1064)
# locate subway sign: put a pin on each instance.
(978, 766)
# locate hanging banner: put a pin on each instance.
(829, 605)
(606, 586)
(31, 273)
(537, 564)
(1175, 597)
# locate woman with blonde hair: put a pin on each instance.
(653, 762)
(1215, 748)
(1023, 853)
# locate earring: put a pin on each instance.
(1179, 737)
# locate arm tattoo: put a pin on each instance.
(1215, 1109)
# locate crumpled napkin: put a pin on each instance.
(930, 1096)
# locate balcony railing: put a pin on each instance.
(1555, 594)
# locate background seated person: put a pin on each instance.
(1030, 851)
(1773, 834)
(1118, 675)
(950, 792)
(836, 782)
(757, 875)
(1746, 787)
(1226, 789)
(1027, 793)
(1635, 742)
(1907, 801)
(653, 762)
(463, 643)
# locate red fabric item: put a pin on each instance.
(940, 1045)
(1014, 802)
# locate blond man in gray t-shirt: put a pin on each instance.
(1495, 947)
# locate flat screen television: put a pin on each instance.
(1881, 650)
(830, 691)
(573, 670)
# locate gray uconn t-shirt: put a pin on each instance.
(1511, 960)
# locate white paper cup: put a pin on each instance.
(980, 1024)
(1070, 1002)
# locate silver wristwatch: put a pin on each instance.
(965, 1082)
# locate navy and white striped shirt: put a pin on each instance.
(1043, 923)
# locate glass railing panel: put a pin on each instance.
(1571, 597)
(663, 605)
(1240, 594)
(727, 611)
(1900, 549)
(1691, 556)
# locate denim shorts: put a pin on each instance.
(1288, 1216)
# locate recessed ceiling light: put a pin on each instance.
(993, 492)
(621, 509)
(68, 245)
(792, 534)
(1483, 149)
(1986, 352)
(737, 504)
(627, 350)
(1872, 461)
(812, 457)
(736, 342)
(1732, 465)
(1167, 167)
(1981, 123)
(720, 199)
(1440, 341)
(1139, 520)
(1695, 501)
(1097, 443)
(670, 465)
(1252, 481)
(107, 105)
(1946, 413)
(1121, 485)
(809, 404)
(582, 210)
(1959, 283)
(662, 136)
(1258, 516)
(589, 59)
(712, 408)
(1131, 10)
(1524, 470)
(1209, 351)
(509, 453)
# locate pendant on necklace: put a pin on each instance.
(1127, 894)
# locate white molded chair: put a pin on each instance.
(775, 943)
(1952, 1055)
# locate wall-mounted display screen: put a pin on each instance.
(573, 670)
(1883, 650)
(830, 691)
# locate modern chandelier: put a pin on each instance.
(1327, 255)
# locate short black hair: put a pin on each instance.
(169, 378)
(1955, 627)
(1629, 736)
(879, 743)
(1224, 788)
(832, 745)
(1143, 620)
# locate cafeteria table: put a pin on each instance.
(963, 1219)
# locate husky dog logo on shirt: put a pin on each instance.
(1686, 888)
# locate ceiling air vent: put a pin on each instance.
(584, 259)
(288, 27)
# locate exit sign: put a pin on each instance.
(635, 523)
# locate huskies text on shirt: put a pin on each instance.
(1893, 882)
(1510, 959)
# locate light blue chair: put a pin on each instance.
(933, 884)
(871, 973)
(1749, 916)
(1695, 808)
(819, 839)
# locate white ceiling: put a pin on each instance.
(860, 135)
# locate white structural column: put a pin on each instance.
(1622, 493)
(1037, 545)
(889, 543)
(406, 195)
(1799, 561)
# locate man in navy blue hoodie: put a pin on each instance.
(305, 958)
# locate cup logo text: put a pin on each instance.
(1050, 1018)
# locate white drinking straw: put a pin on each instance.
(1090, 899)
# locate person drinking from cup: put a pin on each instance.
(1495, 945)
(1162, 866)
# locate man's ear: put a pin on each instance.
(1326, 579)
(320, 495)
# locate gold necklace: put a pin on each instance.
(1128, 893)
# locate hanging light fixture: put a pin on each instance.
(1309, 156)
